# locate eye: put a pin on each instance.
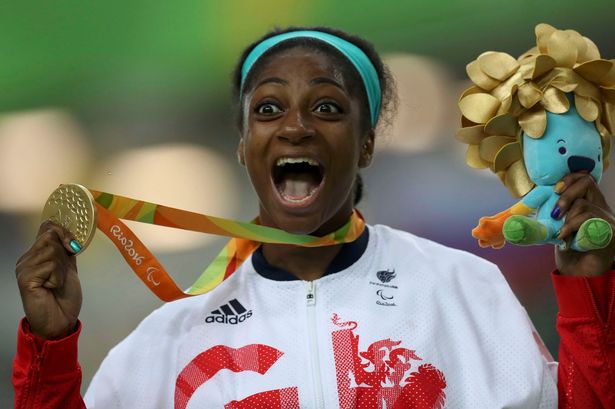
(268, 108)
(328, 108)
(598, 157)
(562, 150)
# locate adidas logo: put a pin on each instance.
(230, 313)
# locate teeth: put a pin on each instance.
(284, 161)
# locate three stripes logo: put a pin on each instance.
(230, 313)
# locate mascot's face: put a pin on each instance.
(570, 144)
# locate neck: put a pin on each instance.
(307, 263)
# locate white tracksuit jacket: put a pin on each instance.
(404, 323)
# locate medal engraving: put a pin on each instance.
(72, 207)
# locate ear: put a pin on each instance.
(240, 155)
(367, 150)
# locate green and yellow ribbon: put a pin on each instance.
(245, 239)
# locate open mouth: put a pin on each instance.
(297, 180)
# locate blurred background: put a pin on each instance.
(134, 98)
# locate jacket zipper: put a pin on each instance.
(313, 340)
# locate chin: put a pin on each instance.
(294, 220)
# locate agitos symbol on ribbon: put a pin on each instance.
(80, 210)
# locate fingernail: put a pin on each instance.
(75, 246)
(559, 186)
(555, 212)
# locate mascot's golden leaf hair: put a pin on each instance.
(512, 95)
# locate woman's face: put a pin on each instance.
(302, 142)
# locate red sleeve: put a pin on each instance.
(586, 325)
(46, 374)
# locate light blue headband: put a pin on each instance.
(353, 53)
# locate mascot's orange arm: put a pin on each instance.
(489, 229)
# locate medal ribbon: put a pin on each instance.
(246, 238)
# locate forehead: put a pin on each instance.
(300, 63)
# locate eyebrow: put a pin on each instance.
(275, 80)
(315, 81)
(560, 140)
(325, 80)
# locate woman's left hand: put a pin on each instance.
(581, 199)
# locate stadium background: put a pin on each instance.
(134, 98)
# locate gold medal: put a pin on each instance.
(72, 207)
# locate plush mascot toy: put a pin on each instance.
(533, 120)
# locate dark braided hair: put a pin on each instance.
(355, 83)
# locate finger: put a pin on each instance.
(44, 226)
(56, 279)
(46, 238)
(39, 242)
(56, 276)
(583, 186)
(49, 237)
(580, 207)
(66, 237)
(573, 224)
(48, 246)
(48, 274)
(568, 180)
(52, 250)
(576, 183)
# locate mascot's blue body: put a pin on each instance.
(532, 120)
(569, 144)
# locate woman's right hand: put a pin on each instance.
(49, 284)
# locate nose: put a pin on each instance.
(579, 163)
(296, 128)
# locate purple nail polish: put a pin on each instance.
(555, 212)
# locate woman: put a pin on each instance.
(388, 320)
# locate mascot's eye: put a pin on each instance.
(562, 150)
(598, 157)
